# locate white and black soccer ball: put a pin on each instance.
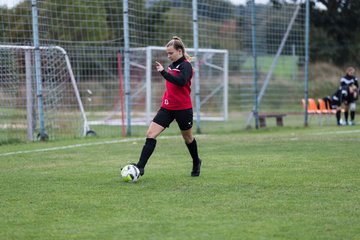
(130, 173)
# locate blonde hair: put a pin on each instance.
(177, 43)
(350, 70)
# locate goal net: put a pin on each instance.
(59, 108)
(147, 86)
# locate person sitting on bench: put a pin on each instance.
(342, 96)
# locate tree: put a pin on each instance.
(335, 31)
(74, 21)
(16, 24)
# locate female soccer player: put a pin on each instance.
(176, 105)
(345, 82)
(341, 96)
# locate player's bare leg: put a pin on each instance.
(154, 130)
(352, 113)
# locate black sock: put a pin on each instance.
(338, 116)
(352, 115)
(346, 114)
(192, 147)
(146, 152)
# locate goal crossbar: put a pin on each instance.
(223, 68)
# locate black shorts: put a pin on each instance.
(350, 99)
(184, 118)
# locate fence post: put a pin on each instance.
(196, 49)
(127, 66)
(306, 74)
(35, 25)
(29, 96)
(148, 84)
(276, 58)
(254, 51)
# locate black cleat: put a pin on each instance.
(196, 170)
(142, 170)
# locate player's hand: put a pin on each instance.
(159, 67)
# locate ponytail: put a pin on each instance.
(177, 43)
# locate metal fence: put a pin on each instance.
(265, 45)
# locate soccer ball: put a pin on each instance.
(130, 173)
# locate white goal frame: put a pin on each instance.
(29, 79)
(224, 68)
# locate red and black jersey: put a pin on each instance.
(178, 82)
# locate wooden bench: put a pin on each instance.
(279, 119)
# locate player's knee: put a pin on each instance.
(151, 134)
(188, 139)
(352, 106)
(154, 130)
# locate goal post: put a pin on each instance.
(62, 108)
(213, 69)
(147, 87)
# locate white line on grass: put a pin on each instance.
(78, 145)
(133, 139)
(336, 132)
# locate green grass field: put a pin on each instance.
(285, 66)
(275, 183)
